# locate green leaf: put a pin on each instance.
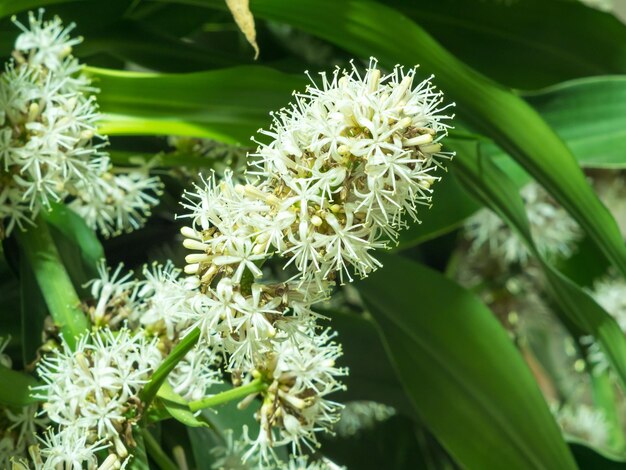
(451, 205)
(78, 245)
(494, 189)
(588, 114)
(590, 459)
(605, 400)
(54, 281)
(33, 310)
(555, 52)
(139, 460)
(15, 389)
(461, 370)
(228, 105)
(371, 375)
(178, 408)
(392, 444)
(142, 44)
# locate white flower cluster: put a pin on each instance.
(610, 293)
(555, 233)
(344, 165)
(301, 373)
(91, 394)
(50, 150)
(230, 456)
(610, 186)
(357, 416)
(157, 306)
(583, 422)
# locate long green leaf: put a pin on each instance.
(55, 283)
(462, 371)
(33, 311)
(371, 375)
(522, 55)
(589, 115)
(78, 245)
(227, 105)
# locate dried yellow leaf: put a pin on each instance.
(244, 19)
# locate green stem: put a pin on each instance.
(55, 283)
(257, 385)
(178, 353)
(156, 453)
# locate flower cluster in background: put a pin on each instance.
(50, 149)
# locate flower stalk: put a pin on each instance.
(256, 386)
(178, 353)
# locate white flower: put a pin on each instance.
(611, 189)
(116, 203)
(195, 374)
(111, 291)
(48, 43)
(555, 233)
(164, 301)
(302, 372)
(94, 388)
(359, 415)
(583, 422)
(25, 422)
(304, 463)
(610, 293)
(69, 448)
(230, 455)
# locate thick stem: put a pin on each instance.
(55, 283)
(256, 386)
(178, 353)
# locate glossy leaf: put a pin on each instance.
(589, 115)
(78, 245)
(53, 279)
(15, 389)
(461, 370)
(228, 105)
(33, 311)
(178, 408)
(590, 459)
(520, 54)
(371, 375)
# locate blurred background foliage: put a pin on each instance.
(471, 368)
